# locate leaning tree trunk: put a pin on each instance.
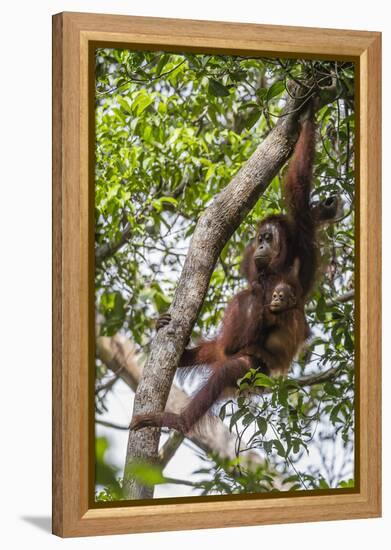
(215, 226)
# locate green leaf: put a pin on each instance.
(349, 344)
(237, 76)
(169, 200)
(331, 389)
(347, 484)
(212, 113)
(248, 104)
(112, 306)
(323, 484)
(162, 63)
(321, 308)
(124, 104)
(143, 104)
(262, 425)
(262, 380)
(235, 417)
(105, 474)
(217, 89)
(252, 118)
(147, 474)
(222, 412)
(161, 301)
(279, 448)
(283, 395)
(101, 446)
(262, 93)
(275, 89)
(248, 418)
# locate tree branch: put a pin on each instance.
(118, 354)
(312, 379)
(319, 378)
(170, 447)
(215, 226)
(342, 299)
(106, 250)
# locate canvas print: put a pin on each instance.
(225, 238)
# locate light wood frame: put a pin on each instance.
(73, 33)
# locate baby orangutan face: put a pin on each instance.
(283, 298)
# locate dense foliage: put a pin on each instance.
(171, 131)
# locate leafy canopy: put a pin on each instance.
(171, 131)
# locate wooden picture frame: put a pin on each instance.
(74, 36)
